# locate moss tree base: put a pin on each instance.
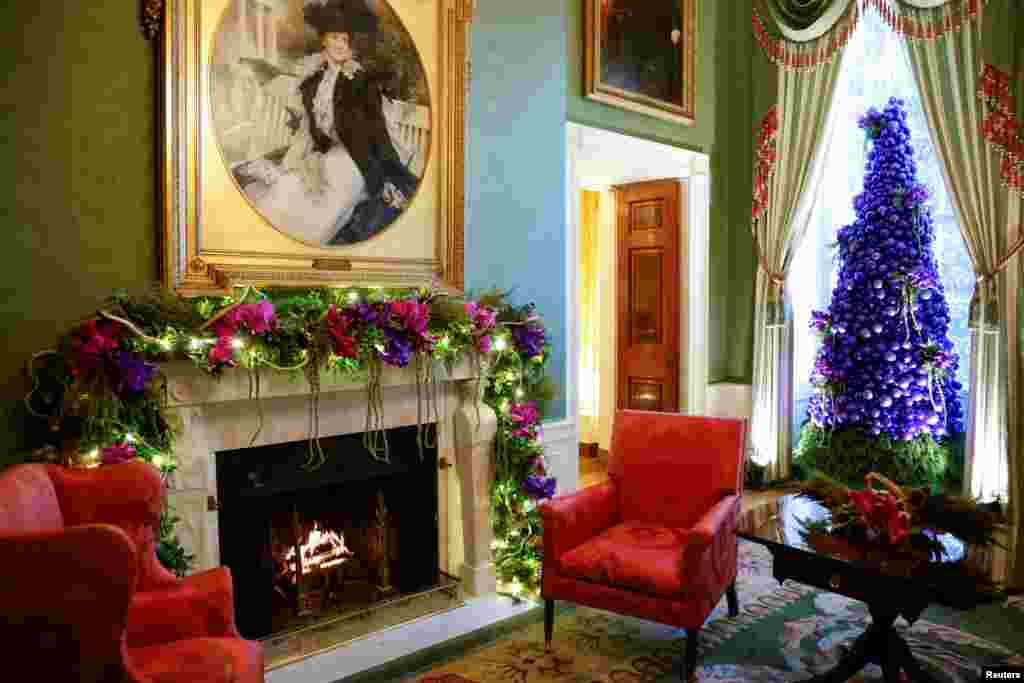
(848, 454)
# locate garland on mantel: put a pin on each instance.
(104, 398)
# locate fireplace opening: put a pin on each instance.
(306, 547)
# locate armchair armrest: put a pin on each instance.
(710, 555)
(572, 519)
(65, 596)
(200, 606)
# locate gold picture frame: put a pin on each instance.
(213, 240)
(634, 61)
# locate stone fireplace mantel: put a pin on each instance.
(213, 415)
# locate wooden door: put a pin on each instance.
(648, 294)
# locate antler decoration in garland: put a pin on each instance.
(152, 17)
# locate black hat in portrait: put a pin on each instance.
(340, 16)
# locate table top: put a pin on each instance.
(779, 524)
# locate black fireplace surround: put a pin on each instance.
(263, 491)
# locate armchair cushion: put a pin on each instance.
(199, 660)
(201, 605)
(28, 501)
(632, 555)
(572, 519)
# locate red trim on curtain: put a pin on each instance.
(765, 156)
(942, 20)
(1001, 127)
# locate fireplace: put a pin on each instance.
(308, 546)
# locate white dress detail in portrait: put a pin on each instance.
(312, 193)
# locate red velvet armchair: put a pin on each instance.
(84, 597)
(658, 540)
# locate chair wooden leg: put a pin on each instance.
(732, 599)
(690, 668)
(549, 623)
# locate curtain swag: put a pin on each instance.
(809, 55)
(915, 22)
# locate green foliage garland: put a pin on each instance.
(101, 397)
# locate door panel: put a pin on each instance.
(648, 295)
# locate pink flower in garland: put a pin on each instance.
(525, 417)
(222, 353)
(338, 325)
(484, 320)
(258, 318)
(414, 317)
(118, 453)
(96, 341)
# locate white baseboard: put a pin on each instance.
(561, 448)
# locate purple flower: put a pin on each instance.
(820, 321)
(529, 339)
(118, 453)
(539, 488)
(923, 279)
(134, 372)
(398, 349)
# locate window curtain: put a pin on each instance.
(798, 94)
(966, 57)
(589, 316)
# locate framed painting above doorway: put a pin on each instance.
(640, 54)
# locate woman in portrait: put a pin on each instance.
(341, 180)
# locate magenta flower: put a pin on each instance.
(222, 353)
(484, 318)
(483, 344)
(525, 417)
(118, 453)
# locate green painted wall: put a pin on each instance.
(78, 123)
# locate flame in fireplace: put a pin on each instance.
(321, 550)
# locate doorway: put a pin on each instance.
(602, 166)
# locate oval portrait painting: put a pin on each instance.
(321, 112)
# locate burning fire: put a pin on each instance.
(320, 551)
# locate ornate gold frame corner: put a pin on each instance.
(599, 91)
(192, 270)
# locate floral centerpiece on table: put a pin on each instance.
(900, 527)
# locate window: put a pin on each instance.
(874, 69)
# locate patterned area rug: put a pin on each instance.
(783, 633)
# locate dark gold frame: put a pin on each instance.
(597, 90)
(193, 270)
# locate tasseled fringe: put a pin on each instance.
(809, 55)
(912, 23)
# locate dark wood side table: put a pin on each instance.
(889, 591)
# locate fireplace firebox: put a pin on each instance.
(306, 546)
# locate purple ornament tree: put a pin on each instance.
(886, 398)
